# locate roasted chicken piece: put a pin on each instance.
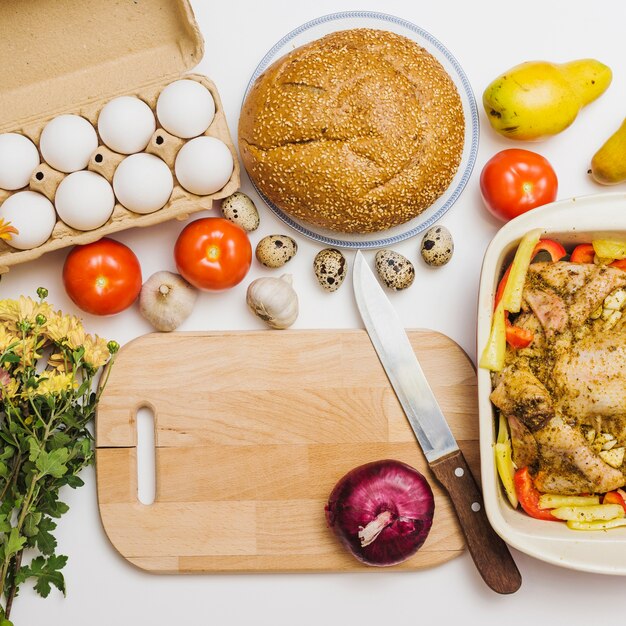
(565, 395)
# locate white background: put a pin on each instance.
(487, 37)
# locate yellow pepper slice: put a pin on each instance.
(610, 248)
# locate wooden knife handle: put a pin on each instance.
(491, 555)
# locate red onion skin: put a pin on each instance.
(371, 489)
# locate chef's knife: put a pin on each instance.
(491, 555)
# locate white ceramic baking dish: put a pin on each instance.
(570, 222)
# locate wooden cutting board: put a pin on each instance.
(252, 431)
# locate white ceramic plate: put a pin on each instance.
(570, 222)
(366, 19)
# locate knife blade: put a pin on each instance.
(489, 552)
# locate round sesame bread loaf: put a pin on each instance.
(356, 132)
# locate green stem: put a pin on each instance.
(26, 505)
(11, 480)
(28, 500)
(13, 590)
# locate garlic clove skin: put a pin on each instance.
(166, 300)
(274, 300)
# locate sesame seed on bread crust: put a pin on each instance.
(356, 132)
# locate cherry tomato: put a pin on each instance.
(103, 277)
(515, 181)
(213, 254)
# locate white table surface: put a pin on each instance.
(487, 37)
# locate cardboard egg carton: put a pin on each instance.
(70, 57)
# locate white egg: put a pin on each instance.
(126, 124)
(32, 214)
(143, 183)
(84, 200)
(18, 160)
(67, 142)
(204, 165)
(185, 108)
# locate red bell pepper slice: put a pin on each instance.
(528, 495)
(517, 337)
(614, 497)
(619, 264)
(553, 248)
(583, 253)
(521, 337)
(501, 286)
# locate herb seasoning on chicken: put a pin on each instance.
(564, 395)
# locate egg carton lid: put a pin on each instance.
(59, 55)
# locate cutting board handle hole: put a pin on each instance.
(146, 463)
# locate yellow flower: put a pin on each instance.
(96, 351)
(58, 361)
(8, 310)
(22, 310)
(7, 230)
(8, 386)
(59, 327)
(28, 350)
(55, 383)
(6, 338)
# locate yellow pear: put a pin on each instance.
(538, 99)
(608, 165)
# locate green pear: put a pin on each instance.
(538, 99)
(608, 165)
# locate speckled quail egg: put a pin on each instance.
(276, 250)
(437, 246)
(330, 268)
(395, 270)
(240, 209)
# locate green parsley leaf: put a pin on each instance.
(14, 543)
(44, 538)
(53, 463)
(47, 573)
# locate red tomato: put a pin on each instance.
(213, 254)
(515, 181)
(103, 277)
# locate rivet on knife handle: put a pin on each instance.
(491, 555)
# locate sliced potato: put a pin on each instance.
(512, 296)
(589, 513)
(597, 313)
(590, 435)
(613, 318)
(503, 429)
(613, 457)
(554, 501)
(615, 300)
(598, 525)
(506, 470)
(603, 438)
(493, 355)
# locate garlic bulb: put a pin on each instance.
(166, 300)
(274, 301)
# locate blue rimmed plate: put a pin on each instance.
(367, 19)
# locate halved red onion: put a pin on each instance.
(381, 512)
